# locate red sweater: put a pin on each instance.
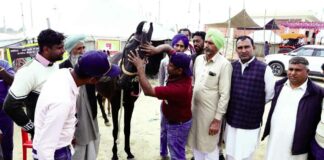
(176, 96)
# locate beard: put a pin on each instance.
(74, 59)
(199, 50)
(207, 51)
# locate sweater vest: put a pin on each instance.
(247, 101)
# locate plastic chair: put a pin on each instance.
(26, 143)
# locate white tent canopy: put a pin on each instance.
(118, 31)
(267, 35)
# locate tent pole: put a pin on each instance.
(264, 25)
(228, 30)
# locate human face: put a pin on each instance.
(55, 52)
(198, 44)
(79, 49)
(297, 74)
(210, 47)
(173, 70)
(179, 46)
(244, 50)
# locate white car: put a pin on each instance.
(313, 53)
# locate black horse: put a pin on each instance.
(125, 89)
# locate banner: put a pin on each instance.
(18, 56)
(106, 44)
(304, 25)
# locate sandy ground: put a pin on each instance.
(144, 133)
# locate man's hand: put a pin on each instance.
(149, 49)
(29, 127)
(214, 127)
(136, 60)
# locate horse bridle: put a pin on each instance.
(122, 60)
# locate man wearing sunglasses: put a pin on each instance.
(252, 87)
(87, 131)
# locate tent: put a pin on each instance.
(270, 36)
(240, 20)
(270, 24)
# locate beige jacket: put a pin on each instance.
(212, 83)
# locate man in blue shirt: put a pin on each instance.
(6, 123)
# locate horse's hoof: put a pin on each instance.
(130, 157)
(115, 157)
(107, 124)
(129, 153)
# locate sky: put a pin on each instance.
(121, 16)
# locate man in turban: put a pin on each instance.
(180, 43)
(212, 82)
(87, 130)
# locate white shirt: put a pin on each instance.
(283, 123)
(55, 114)
(320, 129)
(163, 71)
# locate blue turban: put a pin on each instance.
(181, 37)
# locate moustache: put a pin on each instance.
(206, 49)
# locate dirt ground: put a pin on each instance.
(144, 133)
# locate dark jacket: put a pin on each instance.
(246, 105)
(308, 116)
(91, 90)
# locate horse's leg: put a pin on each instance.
(102, 108)
(108, 107)
(129, 107)
(115, 106)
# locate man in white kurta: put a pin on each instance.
(294, 114)
(212, 77)
(283, 124)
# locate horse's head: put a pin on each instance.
(127, 79)
(138, 38)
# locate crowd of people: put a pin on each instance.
(206, 100)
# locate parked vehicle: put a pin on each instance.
(291, 41)
(313, 53)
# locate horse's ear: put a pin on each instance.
(140, 26)
(150, 32)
